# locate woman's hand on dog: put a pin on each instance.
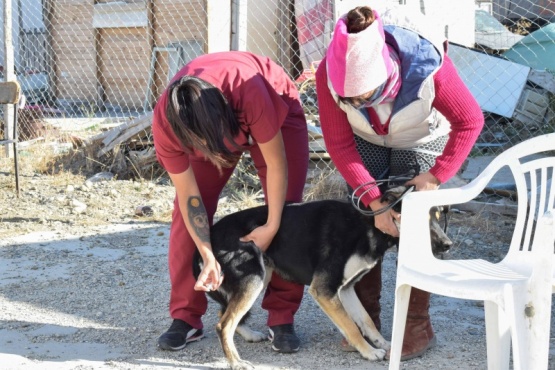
(384, 221)
(424, 181)
(210, 277)
(261, 237)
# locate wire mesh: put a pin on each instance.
(90, 66)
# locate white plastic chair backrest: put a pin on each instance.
(535, 191)
(511, 156)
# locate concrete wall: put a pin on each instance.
(262, 27)
(457, 18)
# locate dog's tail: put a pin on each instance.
(216, 295)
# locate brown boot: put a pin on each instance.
(419, 334)
(368, 290)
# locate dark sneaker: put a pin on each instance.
(178, 335)
(284, 339)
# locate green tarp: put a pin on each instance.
(536, 50)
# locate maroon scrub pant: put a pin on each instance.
(282, 298)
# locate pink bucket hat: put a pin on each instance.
(357, 63)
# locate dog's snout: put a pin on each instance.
(441, 243)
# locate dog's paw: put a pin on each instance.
(382, 343)
(241, 365)
(250, 335)
(375, 354)
(256, 336)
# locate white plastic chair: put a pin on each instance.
(517, 290)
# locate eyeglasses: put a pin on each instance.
(360, 101)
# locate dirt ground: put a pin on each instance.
(84, 285)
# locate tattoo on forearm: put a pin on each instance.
(198, 218)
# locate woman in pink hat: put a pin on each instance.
(392, 104)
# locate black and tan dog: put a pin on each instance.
(328, 245)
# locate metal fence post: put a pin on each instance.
(9, 72)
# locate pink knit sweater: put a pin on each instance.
(452, 99)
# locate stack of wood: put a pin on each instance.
(131, 143)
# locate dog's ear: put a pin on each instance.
(441, 210)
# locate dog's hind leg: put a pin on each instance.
(243, 330)
(332, 306)
(239, 304)
(356, 311)
(247, 333)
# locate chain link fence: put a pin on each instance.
(91, 70)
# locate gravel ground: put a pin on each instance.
(84, 285)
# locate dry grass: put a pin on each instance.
(70, 165)
(247, 198)
(42, 158)
(326, 185)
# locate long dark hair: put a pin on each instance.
(201, 118)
